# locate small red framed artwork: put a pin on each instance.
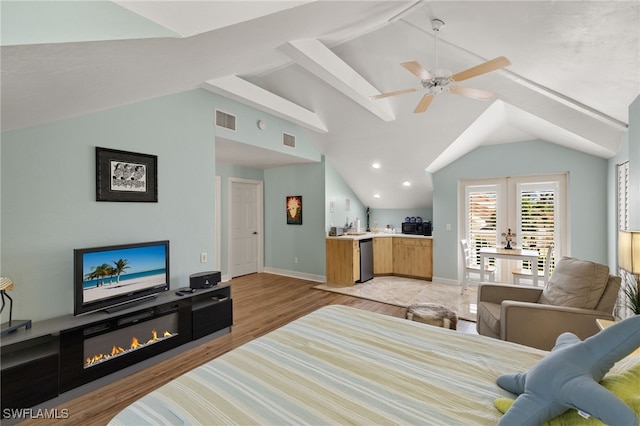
(294, 210)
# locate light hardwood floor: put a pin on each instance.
(261, 303)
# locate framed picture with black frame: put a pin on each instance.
(294, 210)
(126, 176)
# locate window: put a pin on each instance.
(537, 218)
(623, 196)
(532, 207)
(622, 309)
(481, 215)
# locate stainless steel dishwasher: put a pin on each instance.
(366, 260)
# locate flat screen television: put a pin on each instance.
(110, 278)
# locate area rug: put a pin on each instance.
(403, 292)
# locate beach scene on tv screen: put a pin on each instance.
(115, 272)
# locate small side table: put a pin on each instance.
(603, 323)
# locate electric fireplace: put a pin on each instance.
(108, 346)
(104, 347)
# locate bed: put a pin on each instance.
(341, 365)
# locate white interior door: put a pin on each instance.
(245, 227)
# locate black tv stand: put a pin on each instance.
(130, 304)
(38, 364)
(13, 325)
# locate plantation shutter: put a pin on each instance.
(537, 218)
(481, 217)
(623, 196)
(628, 280)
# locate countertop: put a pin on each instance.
(377, 235)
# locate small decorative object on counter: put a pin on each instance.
(508, 239)
(368, 213)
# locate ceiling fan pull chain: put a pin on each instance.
(435, 49)
(436, 24)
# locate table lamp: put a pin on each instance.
(7, 284)
(629, 260)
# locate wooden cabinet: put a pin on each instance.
(406, 256)
(412, 257)
(343, 261)
(383, 256)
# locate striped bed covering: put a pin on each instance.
(341, 365)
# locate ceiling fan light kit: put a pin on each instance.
(439, 79)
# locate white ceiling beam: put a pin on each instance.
(240, 90)
(319, 60)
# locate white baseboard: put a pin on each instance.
(445, 281)
(295, 274)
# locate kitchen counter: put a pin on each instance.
(405, 255)
(377, 235)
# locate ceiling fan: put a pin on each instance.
(438, 80)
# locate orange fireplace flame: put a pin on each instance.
(154, 336)
(134, 342)
(118, 350)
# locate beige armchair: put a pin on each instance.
(576, 295)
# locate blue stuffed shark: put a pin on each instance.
(568, 377)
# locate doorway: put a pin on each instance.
(534, 208)
(245, 227)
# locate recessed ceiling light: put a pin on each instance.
(376, 195)
(406, 183)
(376, 165)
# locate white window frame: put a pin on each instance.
(508, 205)
(622, 195)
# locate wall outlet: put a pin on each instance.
(203, 257)
(448, 227)
(295, 259)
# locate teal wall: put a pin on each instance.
(48, 192)
(395, 217)
(34, 22)
(337, 192)
(587, 196)
(284, 242)
(48, 195)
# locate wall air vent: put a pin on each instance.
(225, 120)
(288, 140)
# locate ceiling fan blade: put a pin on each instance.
(478, 94)
(397, 92)
(423, 104)
(418, 70)
(492, 65)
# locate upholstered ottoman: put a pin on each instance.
(433, 314)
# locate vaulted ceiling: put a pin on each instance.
(575, 68)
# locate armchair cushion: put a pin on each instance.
(575, 283)
(490, 297)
